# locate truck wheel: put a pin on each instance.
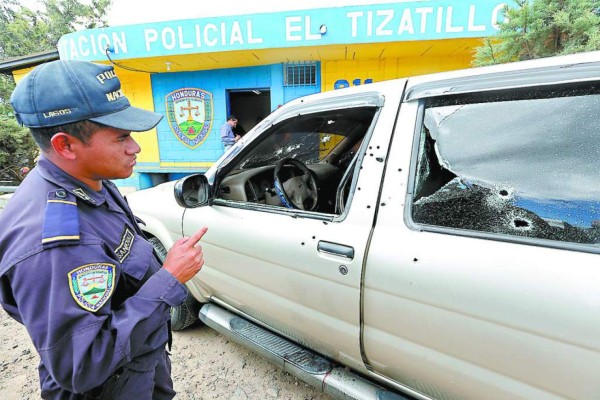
(187, 313)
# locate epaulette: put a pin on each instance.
(61, 219)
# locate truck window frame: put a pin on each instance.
(466, 98)
(369, 99)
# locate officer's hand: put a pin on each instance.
(185, 258)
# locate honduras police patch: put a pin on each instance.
(92, 285)
(190, 115)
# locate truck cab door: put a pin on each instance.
(296, 271)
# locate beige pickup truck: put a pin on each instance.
(434, 237)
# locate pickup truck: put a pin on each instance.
(434, 237)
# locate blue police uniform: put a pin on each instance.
(76, 270)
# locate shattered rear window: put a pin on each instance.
(523, 165)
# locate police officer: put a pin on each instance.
(75, 268)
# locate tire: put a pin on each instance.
(186, 314)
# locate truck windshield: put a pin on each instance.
(309, 138)
(519, 164)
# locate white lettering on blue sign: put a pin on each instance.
(496, 15)
(472, 27)
(86, 47)
(387, 21)
(406, 23)
(294, 31)
(424, 11)
(383, 27)
(401, 21)
(210, 35)
(291, 27)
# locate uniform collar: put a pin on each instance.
(54, 174)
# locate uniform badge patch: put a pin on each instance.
(92, 285)
(83, 195)
(124, 248)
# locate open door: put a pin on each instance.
(250, 106)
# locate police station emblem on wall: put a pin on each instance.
(190, 115)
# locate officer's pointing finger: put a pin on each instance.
(195, 238)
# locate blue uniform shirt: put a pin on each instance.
(76, 270)
(227, 135)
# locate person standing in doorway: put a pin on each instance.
(228, 137)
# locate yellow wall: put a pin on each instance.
(384, 69)
(20, 74)
(138, 89)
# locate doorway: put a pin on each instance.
(250, 106)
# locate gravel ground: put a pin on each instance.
(206, 365)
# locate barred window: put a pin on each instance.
(302, 74)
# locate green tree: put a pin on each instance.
(17, 150)
(23, 32)
(542, 28)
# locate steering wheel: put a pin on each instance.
(299, 191)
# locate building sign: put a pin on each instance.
(190, 115)
(401, 21)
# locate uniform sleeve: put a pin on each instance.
(84, 329)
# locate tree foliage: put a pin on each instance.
(17, 150)
(24, 31)
(542, 28)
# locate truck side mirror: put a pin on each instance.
(192, 191)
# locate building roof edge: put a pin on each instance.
(31, 60)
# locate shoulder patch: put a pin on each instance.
(124, 248)
(61, 219)
(92, 285)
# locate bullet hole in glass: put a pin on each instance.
(415, 259)
(302, 243)
(521, 223)
(504, 193)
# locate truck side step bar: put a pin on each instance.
(308, 366)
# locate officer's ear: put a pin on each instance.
(63, 144)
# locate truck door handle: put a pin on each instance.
(336, 249)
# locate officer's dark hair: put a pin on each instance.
(231, 117)
(82, 130)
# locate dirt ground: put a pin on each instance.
(206, 365)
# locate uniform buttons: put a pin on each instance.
(61, 193)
